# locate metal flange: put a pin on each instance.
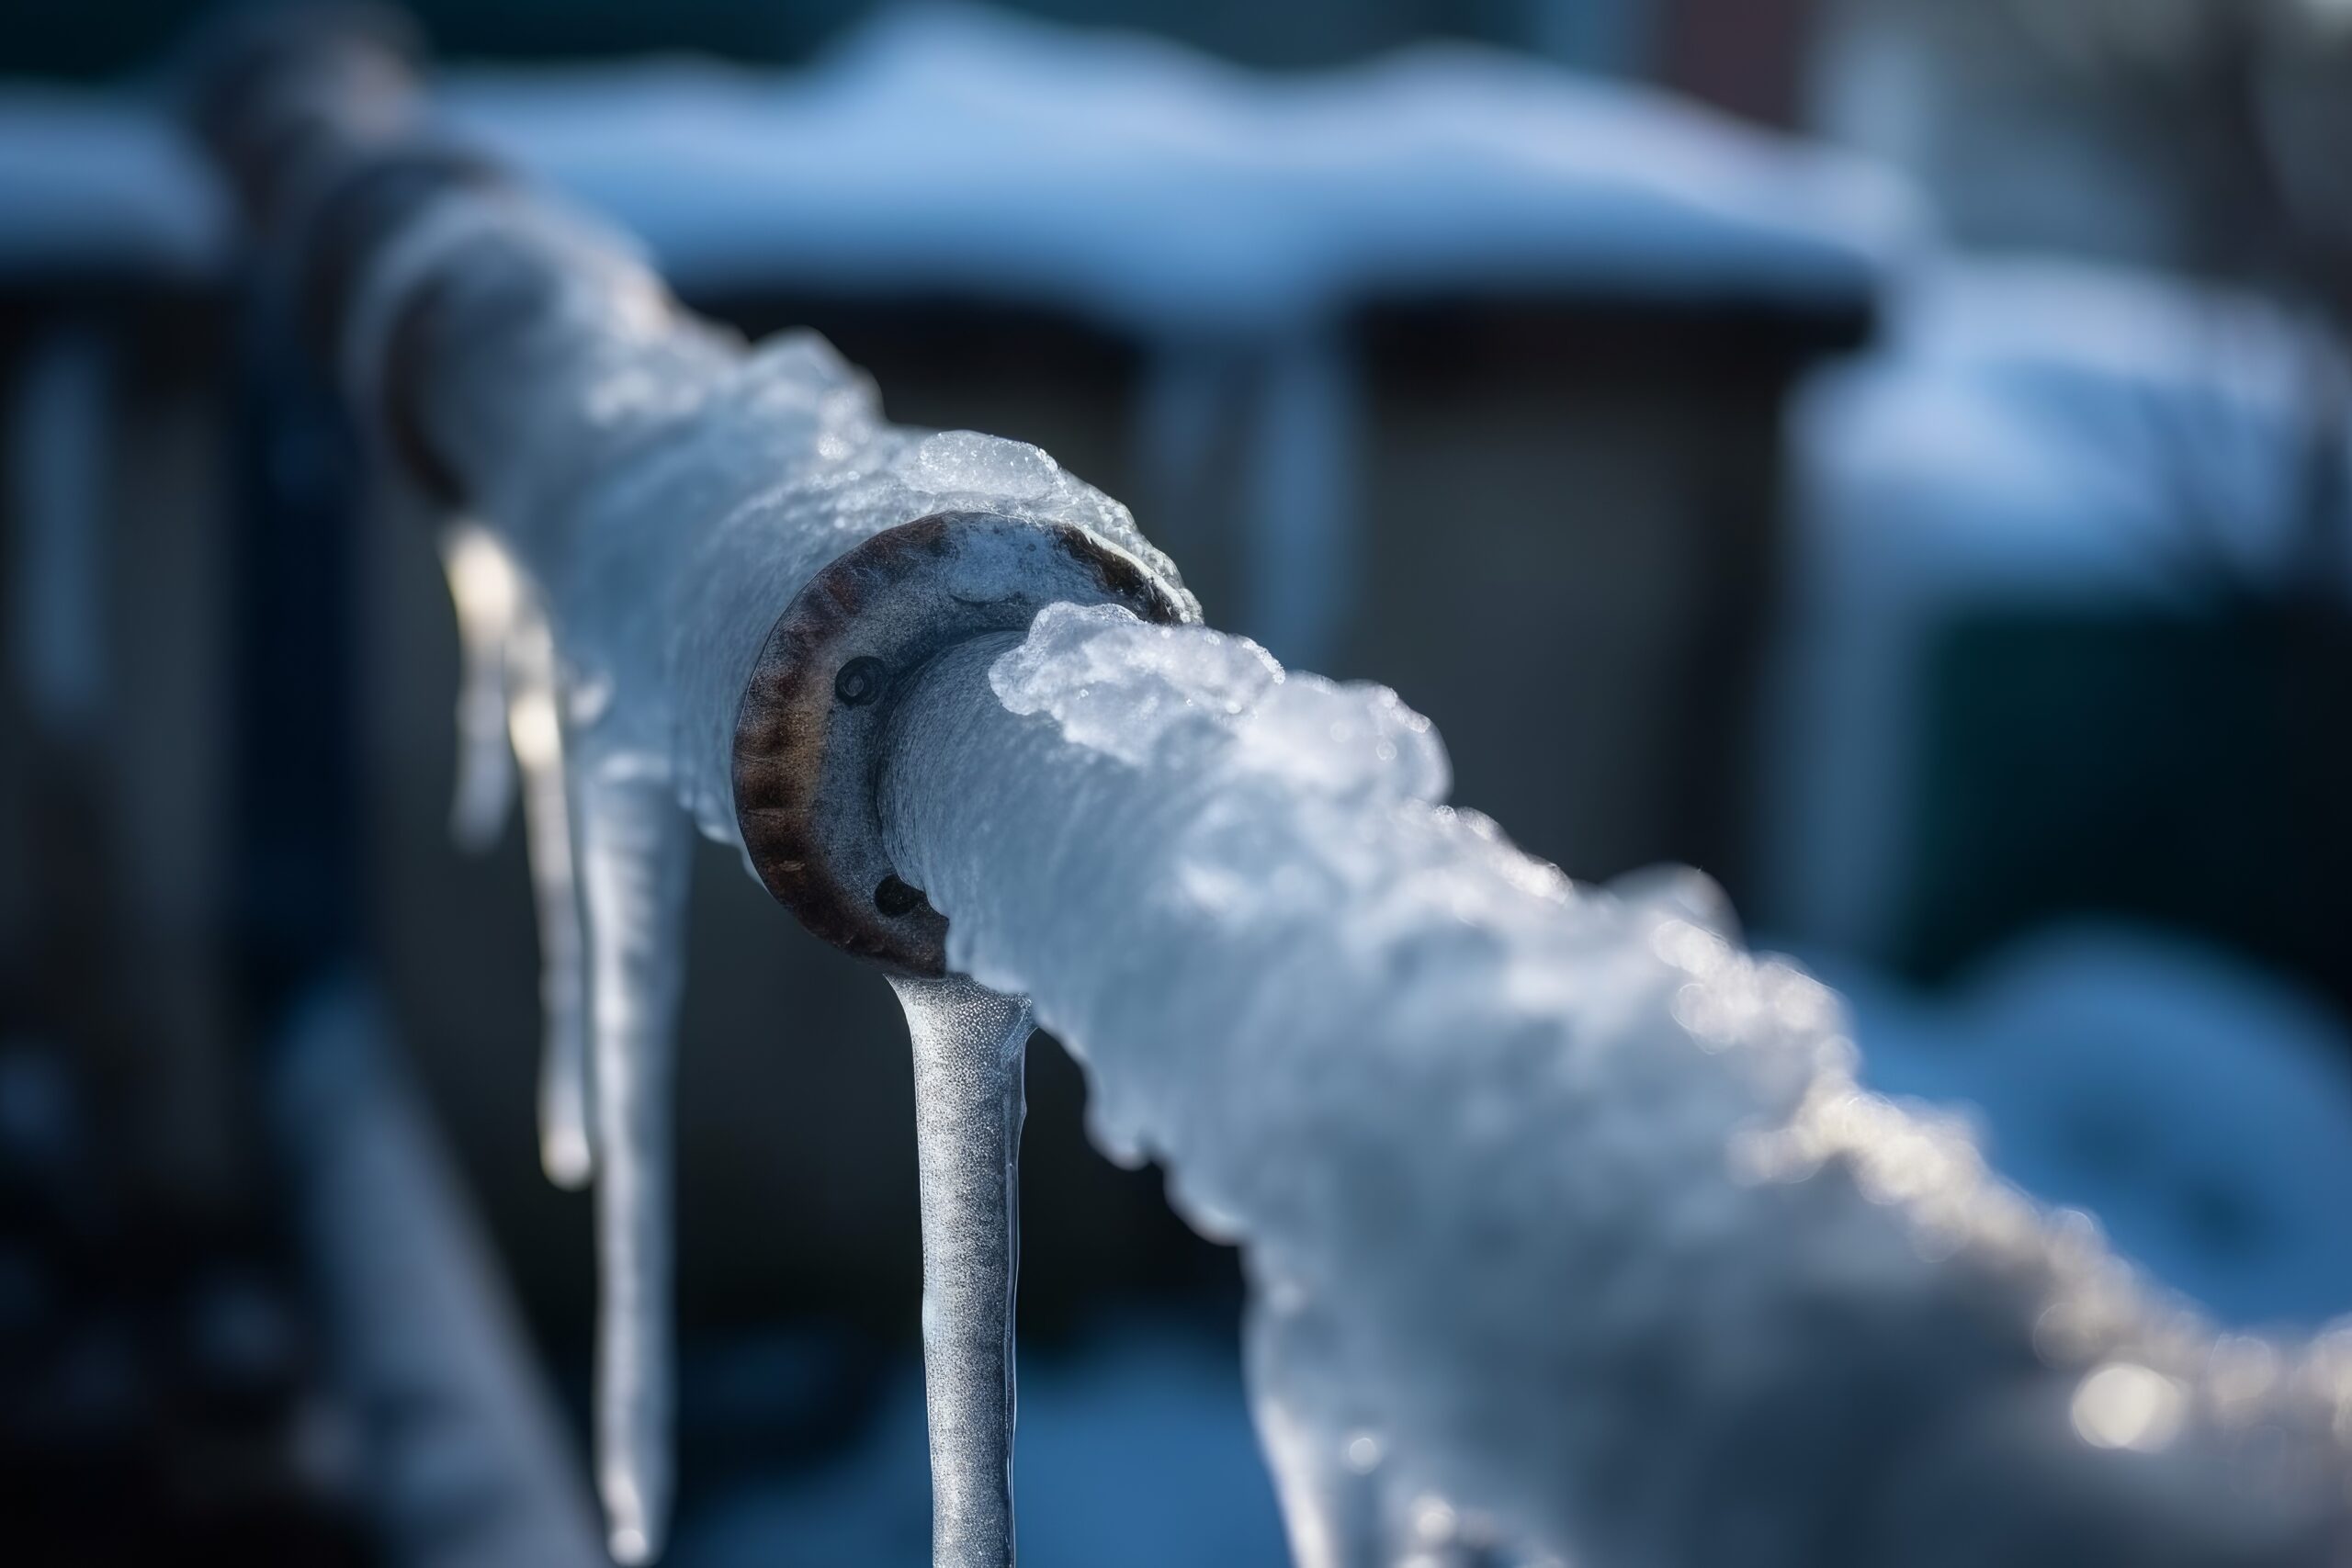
(818, 709)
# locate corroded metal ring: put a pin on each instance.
(817, 708)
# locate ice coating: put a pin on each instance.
(633, 851)
(660, 492)
(664, 489)
(969, 1048)
(1568, 1226)
(1568, 1230)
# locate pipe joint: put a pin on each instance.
(816, 719)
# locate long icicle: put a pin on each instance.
(534, 728)
(970, 1047)
(633, 853)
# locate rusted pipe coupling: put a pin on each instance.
(817, 713)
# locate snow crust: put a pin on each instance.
(969, 1048)
(1569, 1229)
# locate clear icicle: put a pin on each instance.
(483, 588)
(534, 730)
(634, 850)
(969, 1049)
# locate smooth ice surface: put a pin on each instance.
(969, 1049)
(1568, 1224)
(633, 851)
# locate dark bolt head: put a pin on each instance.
(860, 682)
(814, 732)
(893, 898)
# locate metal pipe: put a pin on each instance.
(740, 565)
(501, 347)
(1563, 1213)
(1567, 1223)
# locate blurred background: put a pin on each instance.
(1891, 454)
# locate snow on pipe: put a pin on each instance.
(1568, 1230)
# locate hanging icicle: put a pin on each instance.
(535, 728)
(634, 850)
(970, 1045)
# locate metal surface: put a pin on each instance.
(817, 712)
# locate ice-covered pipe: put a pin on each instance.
(1567, 1225)
(1568, 1229)
(660, 494)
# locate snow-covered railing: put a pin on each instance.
(1569, 1232)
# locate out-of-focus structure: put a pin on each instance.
(1596, 339)
(2028, 613)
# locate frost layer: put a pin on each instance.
(1568, 1226)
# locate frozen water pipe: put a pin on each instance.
(1570, 1236)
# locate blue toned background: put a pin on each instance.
(1888, 453)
